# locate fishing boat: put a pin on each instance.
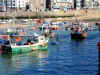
(98, 24)
(78, 36)
(78, 31)
(23, 43)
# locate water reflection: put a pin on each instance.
(43, 57)
(16, 62)
(43, 54)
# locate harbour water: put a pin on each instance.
(66, 57)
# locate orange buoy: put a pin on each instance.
(6, 37)
(52, 35)
(24, 33)
(58, 28)
(43, 45)
(18, 39)
(84, 34)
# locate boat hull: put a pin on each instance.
(23, 49)
(77, 36)
(6, 49)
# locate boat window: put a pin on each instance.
(23, 40)
(6, 42)
(42, 39)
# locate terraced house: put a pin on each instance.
(61, 5)
(38, 5)
(10, 4)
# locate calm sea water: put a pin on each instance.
(67, 57)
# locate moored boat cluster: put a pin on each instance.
(35, 36)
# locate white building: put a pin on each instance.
(38, 5)
(92, 3)
(3, 5)
(11, 3)
(61, 5)
(14, 3)
(21, 3)
(80, 4)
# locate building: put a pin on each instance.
(37, 5)
(12, 4)
(67, 4)
(21, 3)
(92, 3)
(78, 4)
(3, 4)
(61, 5)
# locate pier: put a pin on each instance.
(91, 14)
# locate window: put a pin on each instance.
(13, 4)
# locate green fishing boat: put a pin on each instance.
(20, 45)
